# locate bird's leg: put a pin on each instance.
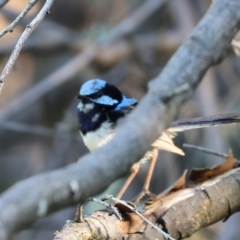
(134, 171)
(145, 190)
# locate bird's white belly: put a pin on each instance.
(99, 137)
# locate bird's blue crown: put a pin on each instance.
(100, 92)
(92, 86)
(101, 103)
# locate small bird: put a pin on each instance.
(102, 105)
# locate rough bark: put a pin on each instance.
(181, 213)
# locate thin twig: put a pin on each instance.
(205, 150)
(29, 29)
(107, 205)
(79, 214)
(167, 236)
(3, 2)
(10, 27)
(81, 60)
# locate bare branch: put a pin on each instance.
(29, 29)
(206, 46)
(16, 21)
(81, 60)
(205, 150)
(181, 213)
(107, 205)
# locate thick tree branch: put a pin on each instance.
(27, 32)
(180, 214)
(49, 192)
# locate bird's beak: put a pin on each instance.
(82, 98)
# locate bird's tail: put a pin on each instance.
(202, 122)
(165, 142)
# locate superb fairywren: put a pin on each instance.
(102, 105)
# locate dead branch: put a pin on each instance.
(81, 60)
(206, 46)
(27, 32)
(180, 213)
(205, 150)
(16, 21)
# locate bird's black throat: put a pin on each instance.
(92, 120)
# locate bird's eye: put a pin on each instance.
(98, 95)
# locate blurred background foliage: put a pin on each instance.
(129, 63)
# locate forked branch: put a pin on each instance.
(10, 27)
(27, 32)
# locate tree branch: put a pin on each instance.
(49, 192)
(27, 32)
(18, 19)
(199, 206)
(205, 150)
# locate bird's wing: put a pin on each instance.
(165, 142)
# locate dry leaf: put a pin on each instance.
(201, 175)
(179, 184)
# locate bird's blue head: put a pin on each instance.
(103, 94)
